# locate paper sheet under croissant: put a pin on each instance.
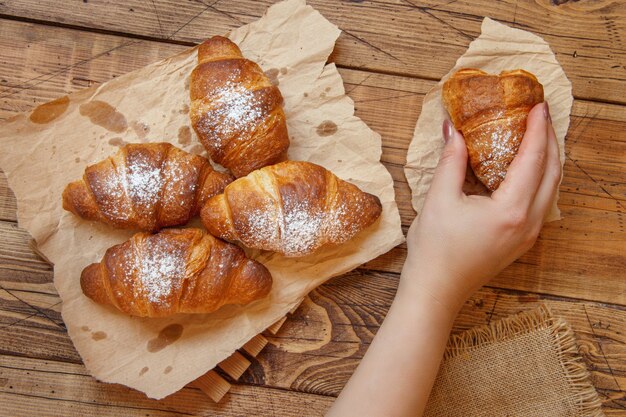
(498, 48)
(39, 160)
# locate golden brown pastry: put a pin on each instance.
(292, 208)
(491, 111)
(235, 110)
(174, 271)
(144, 186)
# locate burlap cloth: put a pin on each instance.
(524, 365)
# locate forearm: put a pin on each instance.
(397, 373)
(455, 245)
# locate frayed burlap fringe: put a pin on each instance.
(586, 398)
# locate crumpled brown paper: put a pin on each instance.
(498, 48)
(291, 42)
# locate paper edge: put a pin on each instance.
(398, 236)
(555, 213)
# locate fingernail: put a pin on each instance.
(448, 130)
(546, 112)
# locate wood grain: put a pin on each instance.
(31, 387)
(212, 385)
(384, 36)
(8, 207)
(391, 53)
(581, 256)
(18, 262)
(318, 348)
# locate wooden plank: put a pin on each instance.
(255, 345)
(31, 387)
(31, 326)
(574, 257)
(212, 385)
(8, 207)
(384, 36)
(18, 262)
(235, 365)
(593, 127)
(581, 256)
(22, 310)
(51, 63)
(319, 347)
(595, 142)
(599, 181)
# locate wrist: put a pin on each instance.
(428, 283)
(423, 305)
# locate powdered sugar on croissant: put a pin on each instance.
(174, 271)
(144, 186)
(235, 110)
(491, 112)
(292, 208)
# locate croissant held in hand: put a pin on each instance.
(144, 186)
(292, 208)
(174, 271)
(235, 110)
(491, 112)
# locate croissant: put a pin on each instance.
(491, 112)
(292, 208)
(144, 186)
(174, 271)
(235, 110)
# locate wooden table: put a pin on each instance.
(391, 52)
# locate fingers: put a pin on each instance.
(551, 178)
(526, 171)
(450, 172)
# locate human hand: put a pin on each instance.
(458, 242)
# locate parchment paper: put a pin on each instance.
(291, 42)
(498, 48)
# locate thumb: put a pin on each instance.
(450, 172)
